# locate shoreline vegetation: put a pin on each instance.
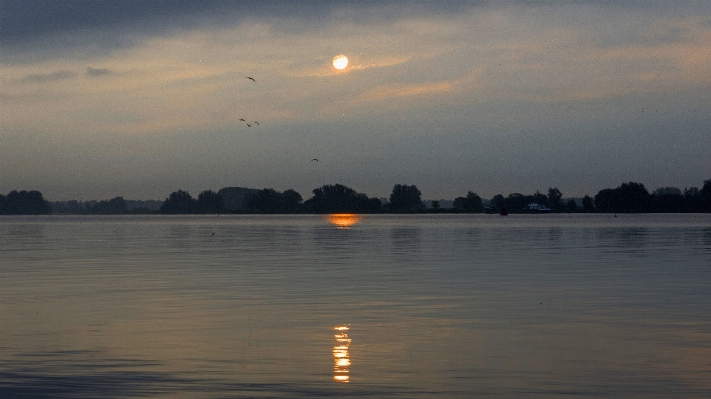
(627, 198)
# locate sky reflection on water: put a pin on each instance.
(444, 307)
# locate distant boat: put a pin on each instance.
(504, 212)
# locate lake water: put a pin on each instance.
(435, 306)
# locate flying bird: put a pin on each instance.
(248, 125)
(257, 123)
(241, 119)
(314, 160)
(250, 78)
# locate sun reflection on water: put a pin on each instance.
(343, 220)
(341, 356)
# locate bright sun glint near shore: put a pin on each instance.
(340, 61)
(343, 220)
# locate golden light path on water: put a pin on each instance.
(343, 220)
(341, 356)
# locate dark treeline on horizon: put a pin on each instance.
(24, 203)
(114, 206)
(627, 198)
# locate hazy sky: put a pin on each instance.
(140, 98)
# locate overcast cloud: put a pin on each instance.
(141, 98)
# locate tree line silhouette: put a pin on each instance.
(629, 197)
(114, 206)
(634, 198)
(24, 203)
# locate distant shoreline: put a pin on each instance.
(629, 197)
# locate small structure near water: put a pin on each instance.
(535, 207)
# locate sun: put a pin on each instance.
(340, 61)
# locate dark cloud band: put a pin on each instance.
(49, 77)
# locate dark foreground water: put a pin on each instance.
(452, 306)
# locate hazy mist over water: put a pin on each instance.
(437, 306)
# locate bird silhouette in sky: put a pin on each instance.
(314, 160)
(250, 78)
(241, 119)
(257, 123)
(249, 125)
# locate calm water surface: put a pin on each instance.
(436, 306)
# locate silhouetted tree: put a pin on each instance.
(588, 205)
(339, 198)
(179, 202)
(373, 204)
(270, 201)
(498, 202)
(539, 198)
(634, 197)
(692, 199)
(705, 194)
(25, 203)
(291, 201)
(435, 205)
(606, 200)
(554, 196)
(571, 206)
(628, 197)
(667, 199)
(3, 205)
(405, 198)
(666, 191)
(516, 201)
(264, 201)
(236, 197)
(114, 206)
(210, 202)
(74, 206)
(471, 203)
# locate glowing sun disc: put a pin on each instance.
(340, 61)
